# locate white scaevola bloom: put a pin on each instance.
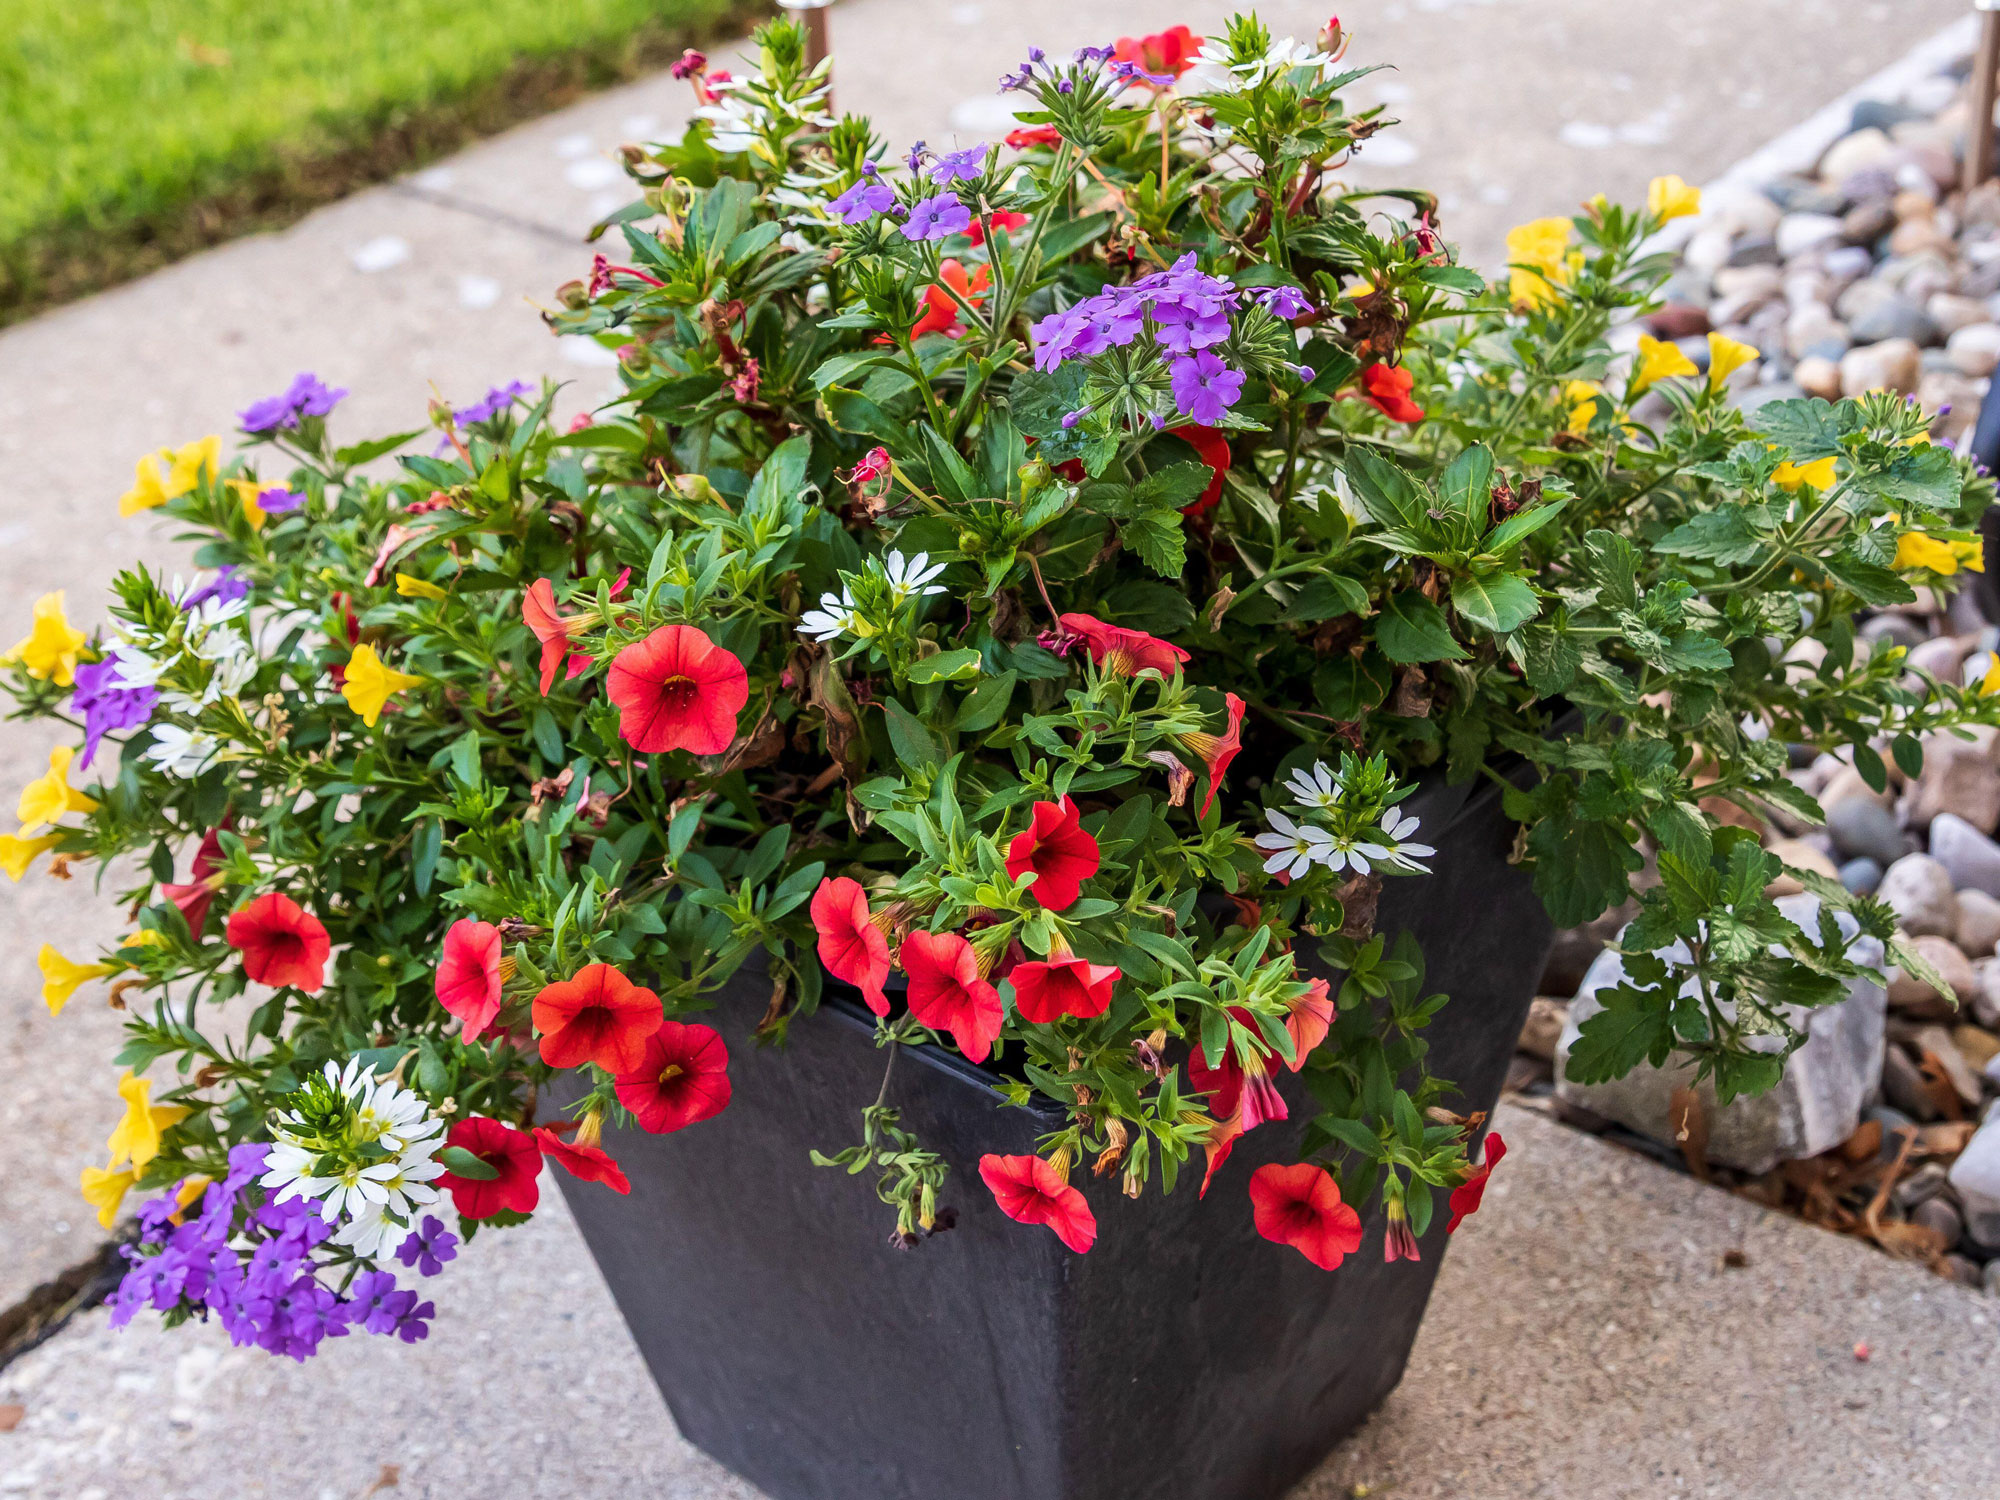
(135, 668)
(1294, 848)
(1319, 787)
(213, 612)
(1397, 849)
(833, 619)
(911, 579)
(374, 1198)
(180, 752)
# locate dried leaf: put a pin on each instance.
(1690, 1126)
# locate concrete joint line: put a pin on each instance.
(41, 1314)
(478, 210)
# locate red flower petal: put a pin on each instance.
(1029, 1191)
(538, 609)
(598, 1016)
(468, 975)
(1387, 389)
(511, 1153)
(850, 945)
(591, 1163)
(281, 943)
(1216, 751)
(947, 994)
(1213, 449)
(1465, 1198)
(1002, 219)
(1065, 986)
(194, 898)
(678, 690)
(1057, 850)
(681, 1078)
(1299, 1205)
(1120, 652)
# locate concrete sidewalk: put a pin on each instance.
(1586, 1342)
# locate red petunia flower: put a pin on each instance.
(941, 309)
(1387, 389)
(1466, 1196)
(195, 897)
(591, 1163)
(678, 690)
(598, 1016)
(947, 994)
(538, 610)
(281, 943)
(1005, 219)
(850, 944)
(1216, 751)
(469, 974)
(1165, 53)
(1299, 1205)
(1213, 449)
(1031, 1191)
(1063, 986)
(1311, 1017)
(1056, 850)
(511, 1153)
(681, 1079)
(1119, 652)
(1033, 135)
(1240, 1087)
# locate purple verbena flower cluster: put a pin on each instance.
(107, 704)
(936, 218)
(1189, 312)
(278, 501)
(863, 201)
(252, 1266)
(307, 396)
(1282, 302)
(494, 402)
(968, 165)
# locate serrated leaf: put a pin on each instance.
(1500, 602)
(1411, 629)
(1159, 539)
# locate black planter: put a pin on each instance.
(1183, 1358)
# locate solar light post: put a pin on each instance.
(813, 13)
(1986, 64)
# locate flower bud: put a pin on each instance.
(573, 295)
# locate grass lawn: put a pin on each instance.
(132, 131)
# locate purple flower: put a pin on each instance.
(412, 1325)
(1131, 72)
(1183, 327)
(1071, 418)
(1095, 54)
(429, 1246)
(225, 587)
(937, 218)
(915, 160)
(1020, 78)
(968, 165)
(307, 396)
(375, 1304)
(493, 403)
(278, 501)
(1286, 302)
(863, 201)
(1205, 387)
(107, 705)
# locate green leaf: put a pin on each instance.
(1159, 539)
(1635, 1026)
(1465, 490)
(1500, 601)
(912, 743)
(1385, 491)
(1725, 536)
(1411, 629)
(1807, 427)
(361, 453)
(1518, 527)
(986, 704)
(1326, 596)
(462, 1163)
(946, 666)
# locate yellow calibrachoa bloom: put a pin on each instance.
(49, 649)
(412, 587)
(17, 853)
(1819, 474)
(1726, 356)
(136, 1138)
(189, 1192)
(61, 976)
(104, 1189)
(1582, 398)
(247, 491)
(1658, 360)
(1670, 198)
(145, 937)
(170, 473)
(1542, 260)
(45, 799)
(1990, 683)
(1914, 549)
(370, 683)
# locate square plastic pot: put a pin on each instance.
(1183, 1358)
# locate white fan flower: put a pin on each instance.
(1294, 848)
(912, 578)
(1320, 787)
(834, 618)
(180, 752)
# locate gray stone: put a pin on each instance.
(1937, 1215)
(1978, 921)
(1893, 318)
(1968, 856)
(1816, 1104)
(1865, 223)
(1920, 1186)
(1941, 657)
(1805, 195)
(1856, 152)
(1863, 828)
(1894, 1124)
(1959, 776)
(1895, 630)
(1915, 997)
(1903, 1085)
(1755, 250)
(1861, 876)
(1989, 1278)
(1936, 1042)
(1975, 1177)
(1798, 233)
(1881, 114)
(1847, 262)
(1895, 364)
(1975, 350)
(1951, 312)
(1818, 371)
(1986, 999)
(1920, 890)
(1962, 1269)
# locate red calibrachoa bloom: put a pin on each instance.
(1119, 652)
(538, 610)
(681, 1079)
(1163, 53)
(1063, 986)
(1309, 1021)
(1465, 1198)
(1213, 449)
(591, 1163)
(195, 897)
(1387, 389)
(1002, 218)
(851, 946)
(281, 943)
(1240, 1087)
(941, 309)
(1033, 135)
(1031, 1191)
(598, 1016)
(947, 994)
(1216, 751)
(511, 1153)
(1299, 1205)
(470, 973)
(1222, 1138)
(678, 690)
(1057, 851)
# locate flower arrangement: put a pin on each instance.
(1020, 586)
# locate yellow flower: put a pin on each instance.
(136, 1138)
(1581, 415)
(1658, 360)
(1971, 555)
(189, 1192)
(47, 798)
(370, 684)
(190, 459)
(145, 937)
(104, 1189)
(1725, 357)
(60, 977)
(247, 491)
(1916, 550)
(49, 649)
(1990, 683)
(17, 853)
(412, 587)
(1540, 254)
(149, 488)
(1819, 474)
(169, 474)
(1670, 198)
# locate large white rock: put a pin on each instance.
(1816, 1104)
(1975, 1176)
